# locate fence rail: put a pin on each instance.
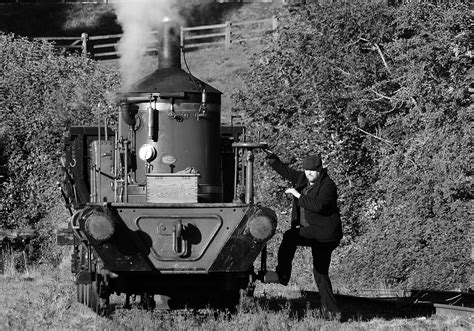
(70, 43)
(227, 33)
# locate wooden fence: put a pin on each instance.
(227, 33)
(78, 44)
(219, 35)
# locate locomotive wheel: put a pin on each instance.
(91, 294)
(92, 297)
(94, 301)
(80, 293)
(88, 295)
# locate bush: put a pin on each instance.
(43, 91)
(381, 93)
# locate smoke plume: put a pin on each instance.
(139, 19)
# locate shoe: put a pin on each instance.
(271, 277)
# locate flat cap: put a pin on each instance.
(312, 162)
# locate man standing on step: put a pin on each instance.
(315, 222)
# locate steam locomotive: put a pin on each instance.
(163, 205)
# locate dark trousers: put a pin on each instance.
(321, 260)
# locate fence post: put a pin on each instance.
(84, 38)
(227, 35)
(275, 27)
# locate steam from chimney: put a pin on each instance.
(139, 18)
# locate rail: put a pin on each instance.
(441, 309)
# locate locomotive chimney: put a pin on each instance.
(169, 54)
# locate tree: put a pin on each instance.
(43, 91)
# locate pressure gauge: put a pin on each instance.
(147, 152)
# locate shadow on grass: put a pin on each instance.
(358, 309)
(352, 308)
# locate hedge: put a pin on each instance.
(382, 94)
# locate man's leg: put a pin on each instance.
(286, 253)
(321, 261)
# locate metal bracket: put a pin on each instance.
(180, 246)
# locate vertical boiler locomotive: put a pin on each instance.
(163, 205)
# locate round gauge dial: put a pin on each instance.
(147, 153)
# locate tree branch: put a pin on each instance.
(374, 46)
(383, 58)
(381, 95)
(344, 72)
(372, 100)
(374, 136)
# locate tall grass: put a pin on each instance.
(43, 298)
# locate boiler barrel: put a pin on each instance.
(186, 139)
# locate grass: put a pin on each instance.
(44, 299)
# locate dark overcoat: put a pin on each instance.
(319, 203)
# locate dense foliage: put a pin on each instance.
(43, 91)
(382, 94)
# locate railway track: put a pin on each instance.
(404, 304)
(358, 308)
(442, 309)
(447, 302)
